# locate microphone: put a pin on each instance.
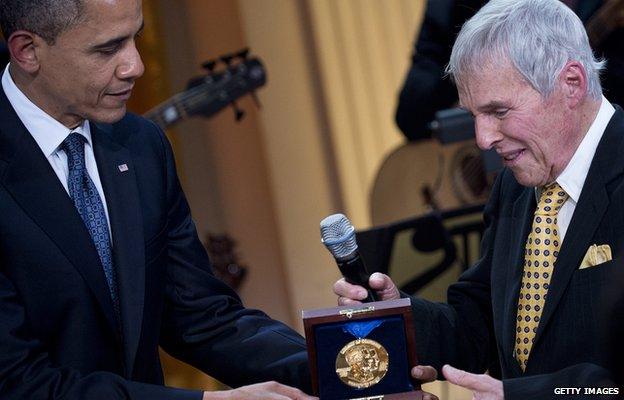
(338, 235)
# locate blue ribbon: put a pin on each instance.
(361, 329)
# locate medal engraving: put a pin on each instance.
(362, 363)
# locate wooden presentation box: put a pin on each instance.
(362, 352)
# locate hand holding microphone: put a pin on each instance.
(338, 235)
(380, 284)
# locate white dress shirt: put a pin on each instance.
(573, 176)
(50, 134)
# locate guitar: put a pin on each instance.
(419, 177)
(205, 96)
(208, 94)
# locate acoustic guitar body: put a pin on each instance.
(421, 176)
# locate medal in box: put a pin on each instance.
(364, 351)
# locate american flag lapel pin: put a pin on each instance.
(123, 167)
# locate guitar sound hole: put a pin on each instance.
(469, 179)
(473, 171)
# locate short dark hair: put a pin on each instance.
(46, 18)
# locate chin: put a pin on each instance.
(531, 181)
(528, 180)
(108, 116)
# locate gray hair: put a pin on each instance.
(538, 37)
(46, 18)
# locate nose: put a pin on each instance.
(487, 132)
(131, 68)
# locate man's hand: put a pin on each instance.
(259, 391)
(425, 374)
(349, 294)
(483, 387)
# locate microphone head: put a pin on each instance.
(338, 235)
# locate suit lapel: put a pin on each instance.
(522, 214)
(588, 214)
(122, 197)
(32, 183)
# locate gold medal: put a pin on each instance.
(362, 363)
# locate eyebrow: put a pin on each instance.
(115, 41)
(492, 105)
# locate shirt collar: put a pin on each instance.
(573, 176)
(47, 132)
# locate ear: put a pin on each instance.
(23, 47)
(573, 81)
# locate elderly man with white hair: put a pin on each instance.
(539, 311)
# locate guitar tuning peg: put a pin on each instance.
(227, 59)
(238, 113)
(209, 65)
(255, 98)
(243, 54)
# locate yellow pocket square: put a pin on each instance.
(596, 255)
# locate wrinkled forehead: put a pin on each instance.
(479, 68)
(485, 79)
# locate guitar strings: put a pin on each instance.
(194, 96)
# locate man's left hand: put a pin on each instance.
(483, 387)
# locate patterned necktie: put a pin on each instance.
(541, 251)
(90, 207)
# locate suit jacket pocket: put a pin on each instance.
(600, 274)
(597, 288)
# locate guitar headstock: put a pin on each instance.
(229, 77)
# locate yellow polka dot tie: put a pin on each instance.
(541, 251)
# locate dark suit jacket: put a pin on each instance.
(58, 334)
(574, 344)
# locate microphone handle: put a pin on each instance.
(355, 273)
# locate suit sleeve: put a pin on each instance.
(204, 321)
(26, 371)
